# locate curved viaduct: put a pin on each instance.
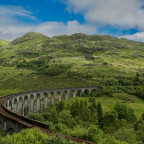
(15, 107)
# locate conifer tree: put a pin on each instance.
(85, 103)
(94, 103)
(94, 118)
(99, 110)
(60, 106)
(81, 104)
(85, 113)
(75, 108)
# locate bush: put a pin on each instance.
(65, 114)
(111, 140)
(33, 136)
(47, 116)
(79, 132)
(58, 140)
(95, 134)
(27, 136)
(109, 118)
(125, 112)
(36, 116)
(60, 127)
(126, 134)
(140, 92)
(57, 69)
(139, 128)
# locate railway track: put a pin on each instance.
(29, 123)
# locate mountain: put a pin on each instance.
(35, 61)
(31, 36)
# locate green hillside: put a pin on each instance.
(35, 61)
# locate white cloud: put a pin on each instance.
(8, 13)
(139, 36)
(11, 27)
(58, 28)
(124, 13)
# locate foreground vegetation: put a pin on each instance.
(33, 136)
(85, 118)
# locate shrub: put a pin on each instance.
(58, 140)
(79, 132)
(95, 134)
(36, 116)
(126, 134)
(33, 136)
(57, 69)
(27, 136)
(109, 118)
(125, 112)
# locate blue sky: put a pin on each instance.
(121, 18)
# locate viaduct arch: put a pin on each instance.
(15, 107)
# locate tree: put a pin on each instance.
(65, 114)
(85, 102)
(99, 110)
(111, 140)
(94, 118)
(125, 112)
(60, 106)
(94, 103)
(126, 134)
(85, 113)
(95, 134)
(54, 116)
(36, 116)
(81, 104)
(139, 128)
(109, 118)
(75, 108)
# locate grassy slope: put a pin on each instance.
(102, 57)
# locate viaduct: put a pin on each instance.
(15, 107)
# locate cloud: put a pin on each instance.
(58, 28)
(139, 36)
(12, 12)
(12, 27)
(124, 13)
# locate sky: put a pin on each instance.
(120, 18)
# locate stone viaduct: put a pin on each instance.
(15, 107)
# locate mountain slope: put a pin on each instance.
(76, 60)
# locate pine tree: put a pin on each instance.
(95, 118)
(72, 108)
(75, 108)
(94, 104)
(85, 103)
(85, 113)
(99, 110)
(92, 108)
(81, 104)
(60, 106)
